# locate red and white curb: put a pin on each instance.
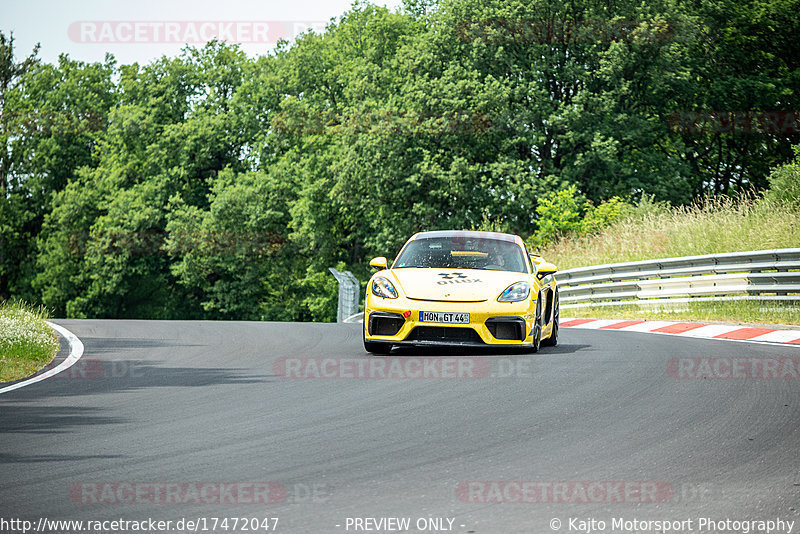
(688, 329)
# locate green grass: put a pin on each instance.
(27, 343)
(763, 313)
(707, 227)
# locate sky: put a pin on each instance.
(142, 30)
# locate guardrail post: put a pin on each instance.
(349, 294)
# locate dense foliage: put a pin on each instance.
(214, 185)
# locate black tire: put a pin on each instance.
(537, 327)
(381, 349)
(374, 347)
(552, 341)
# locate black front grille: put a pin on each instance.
(507, 328)
(385, 324)
(444, 334)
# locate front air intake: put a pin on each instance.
(385, 324)
(507, 328)
(444, 334)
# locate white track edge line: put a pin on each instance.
(75, 353)
(773, 343)
(684, 334)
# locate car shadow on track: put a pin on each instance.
(91, 376)
(50, 420)
(562, 348)
(111, 345)
(37, 458)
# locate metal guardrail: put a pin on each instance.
(763, 275)
(349, 294)
(357, 318)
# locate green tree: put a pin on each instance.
(559, 213)
(235, 256)
(171, 134)
(17, 219)
(743, 58)
(536, 117)
(784, 182)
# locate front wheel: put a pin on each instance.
(552, 341)
(375, 347)
(537, 326)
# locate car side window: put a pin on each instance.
(531, 265)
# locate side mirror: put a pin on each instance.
(545, 269)
(379, 263)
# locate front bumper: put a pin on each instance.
(491, 322)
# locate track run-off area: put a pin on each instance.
(201, 420)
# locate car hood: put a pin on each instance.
(455, 285)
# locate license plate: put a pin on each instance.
(443, 317)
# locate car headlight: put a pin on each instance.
(382, 287)
(515, 292)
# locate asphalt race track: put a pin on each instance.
(197, 404)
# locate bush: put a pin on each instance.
(565, 213)
(559, 214)
(604, 215)
(784, 182)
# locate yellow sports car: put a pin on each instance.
(461, 288)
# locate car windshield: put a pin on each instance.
(462, 253)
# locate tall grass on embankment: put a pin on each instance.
(654, 231)
(27, 343)
(714, 225)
